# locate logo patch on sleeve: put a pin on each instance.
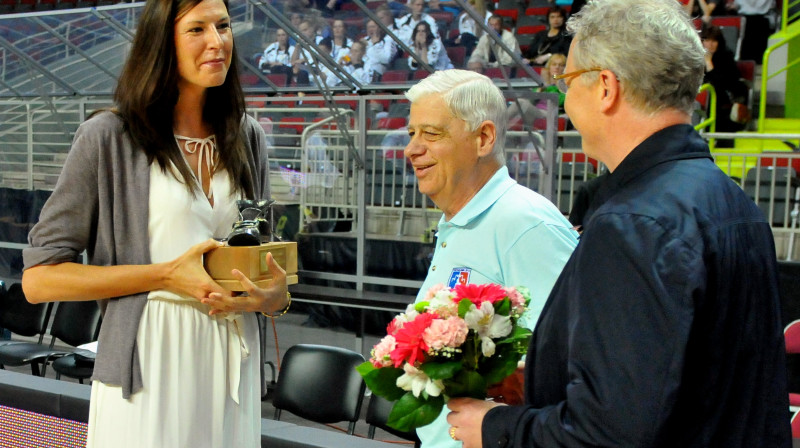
(459, 276)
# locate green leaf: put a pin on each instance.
(421, 306)
(520, 334)
(499, 366)
(381, 381)
(411, 412)
(503, 307)
(441, 370)
(468, 383)
(463, 306)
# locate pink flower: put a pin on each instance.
(445, 333)
(432, 291)
(516, 297)
(410, 345)
(477, 294)
(381, 353)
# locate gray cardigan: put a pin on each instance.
(100, 204)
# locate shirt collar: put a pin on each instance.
(483, 199)
(677, 142)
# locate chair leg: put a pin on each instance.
(35, 369)
(371, 432)
(351, 428)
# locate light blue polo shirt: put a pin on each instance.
(506, 234)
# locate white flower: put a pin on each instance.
(487, 325)
(416, 381)
(410, 314)
(442, 298)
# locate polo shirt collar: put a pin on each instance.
(498, 184)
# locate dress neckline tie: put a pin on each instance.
(206, 149)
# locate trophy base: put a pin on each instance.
(234, 285)
(252, 262)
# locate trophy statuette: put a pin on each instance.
(246, 249)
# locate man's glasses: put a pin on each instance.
(561, 80)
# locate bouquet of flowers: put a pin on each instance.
(455, 343)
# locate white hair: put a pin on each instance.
(650, 45)
(469, 96)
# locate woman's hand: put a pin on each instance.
(709, 61)
(186, 274)
(267, 300)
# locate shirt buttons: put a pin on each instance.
(433, 268)
(444, 244)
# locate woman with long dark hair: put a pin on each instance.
(553, 40)
(723, 74)
(145, 188)
(429, 48)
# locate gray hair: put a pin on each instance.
(469, 96)
(651, 45)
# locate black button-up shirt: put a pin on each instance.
(664, 328)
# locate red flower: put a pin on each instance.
(410, 345)
(393, 326)
(477, 294)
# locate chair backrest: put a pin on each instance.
(792, 336)
(320, 383)
(76, 323)
(457, 55)
(22, 317)
(378, 412)
(747, 69)
(795, 426)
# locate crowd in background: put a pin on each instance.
(434, 35)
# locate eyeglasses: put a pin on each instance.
(561, 80)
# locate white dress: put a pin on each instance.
(200, 373)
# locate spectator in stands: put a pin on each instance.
(277, 56)
(146, 186)
(494, 230)
(705, 9)
(757, 27)
(355, 63)
(381, 49)
(302, 55)
(550, 41)
(667, 316)
(319, 72)
(490, 54)
(429, 49)
(468, 30)
(408, 23)
(524, 109)
(340, 43)
(295, 18)
(386, 17)
(722, 73)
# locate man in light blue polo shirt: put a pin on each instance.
(493, 230)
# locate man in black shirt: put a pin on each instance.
(664, 328)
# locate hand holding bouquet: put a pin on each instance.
(455, 343)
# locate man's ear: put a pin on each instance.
(486, 135)
(610, 93)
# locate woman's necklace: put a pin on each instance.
(205, 149)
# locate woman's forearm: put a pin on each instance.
(75, 282)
